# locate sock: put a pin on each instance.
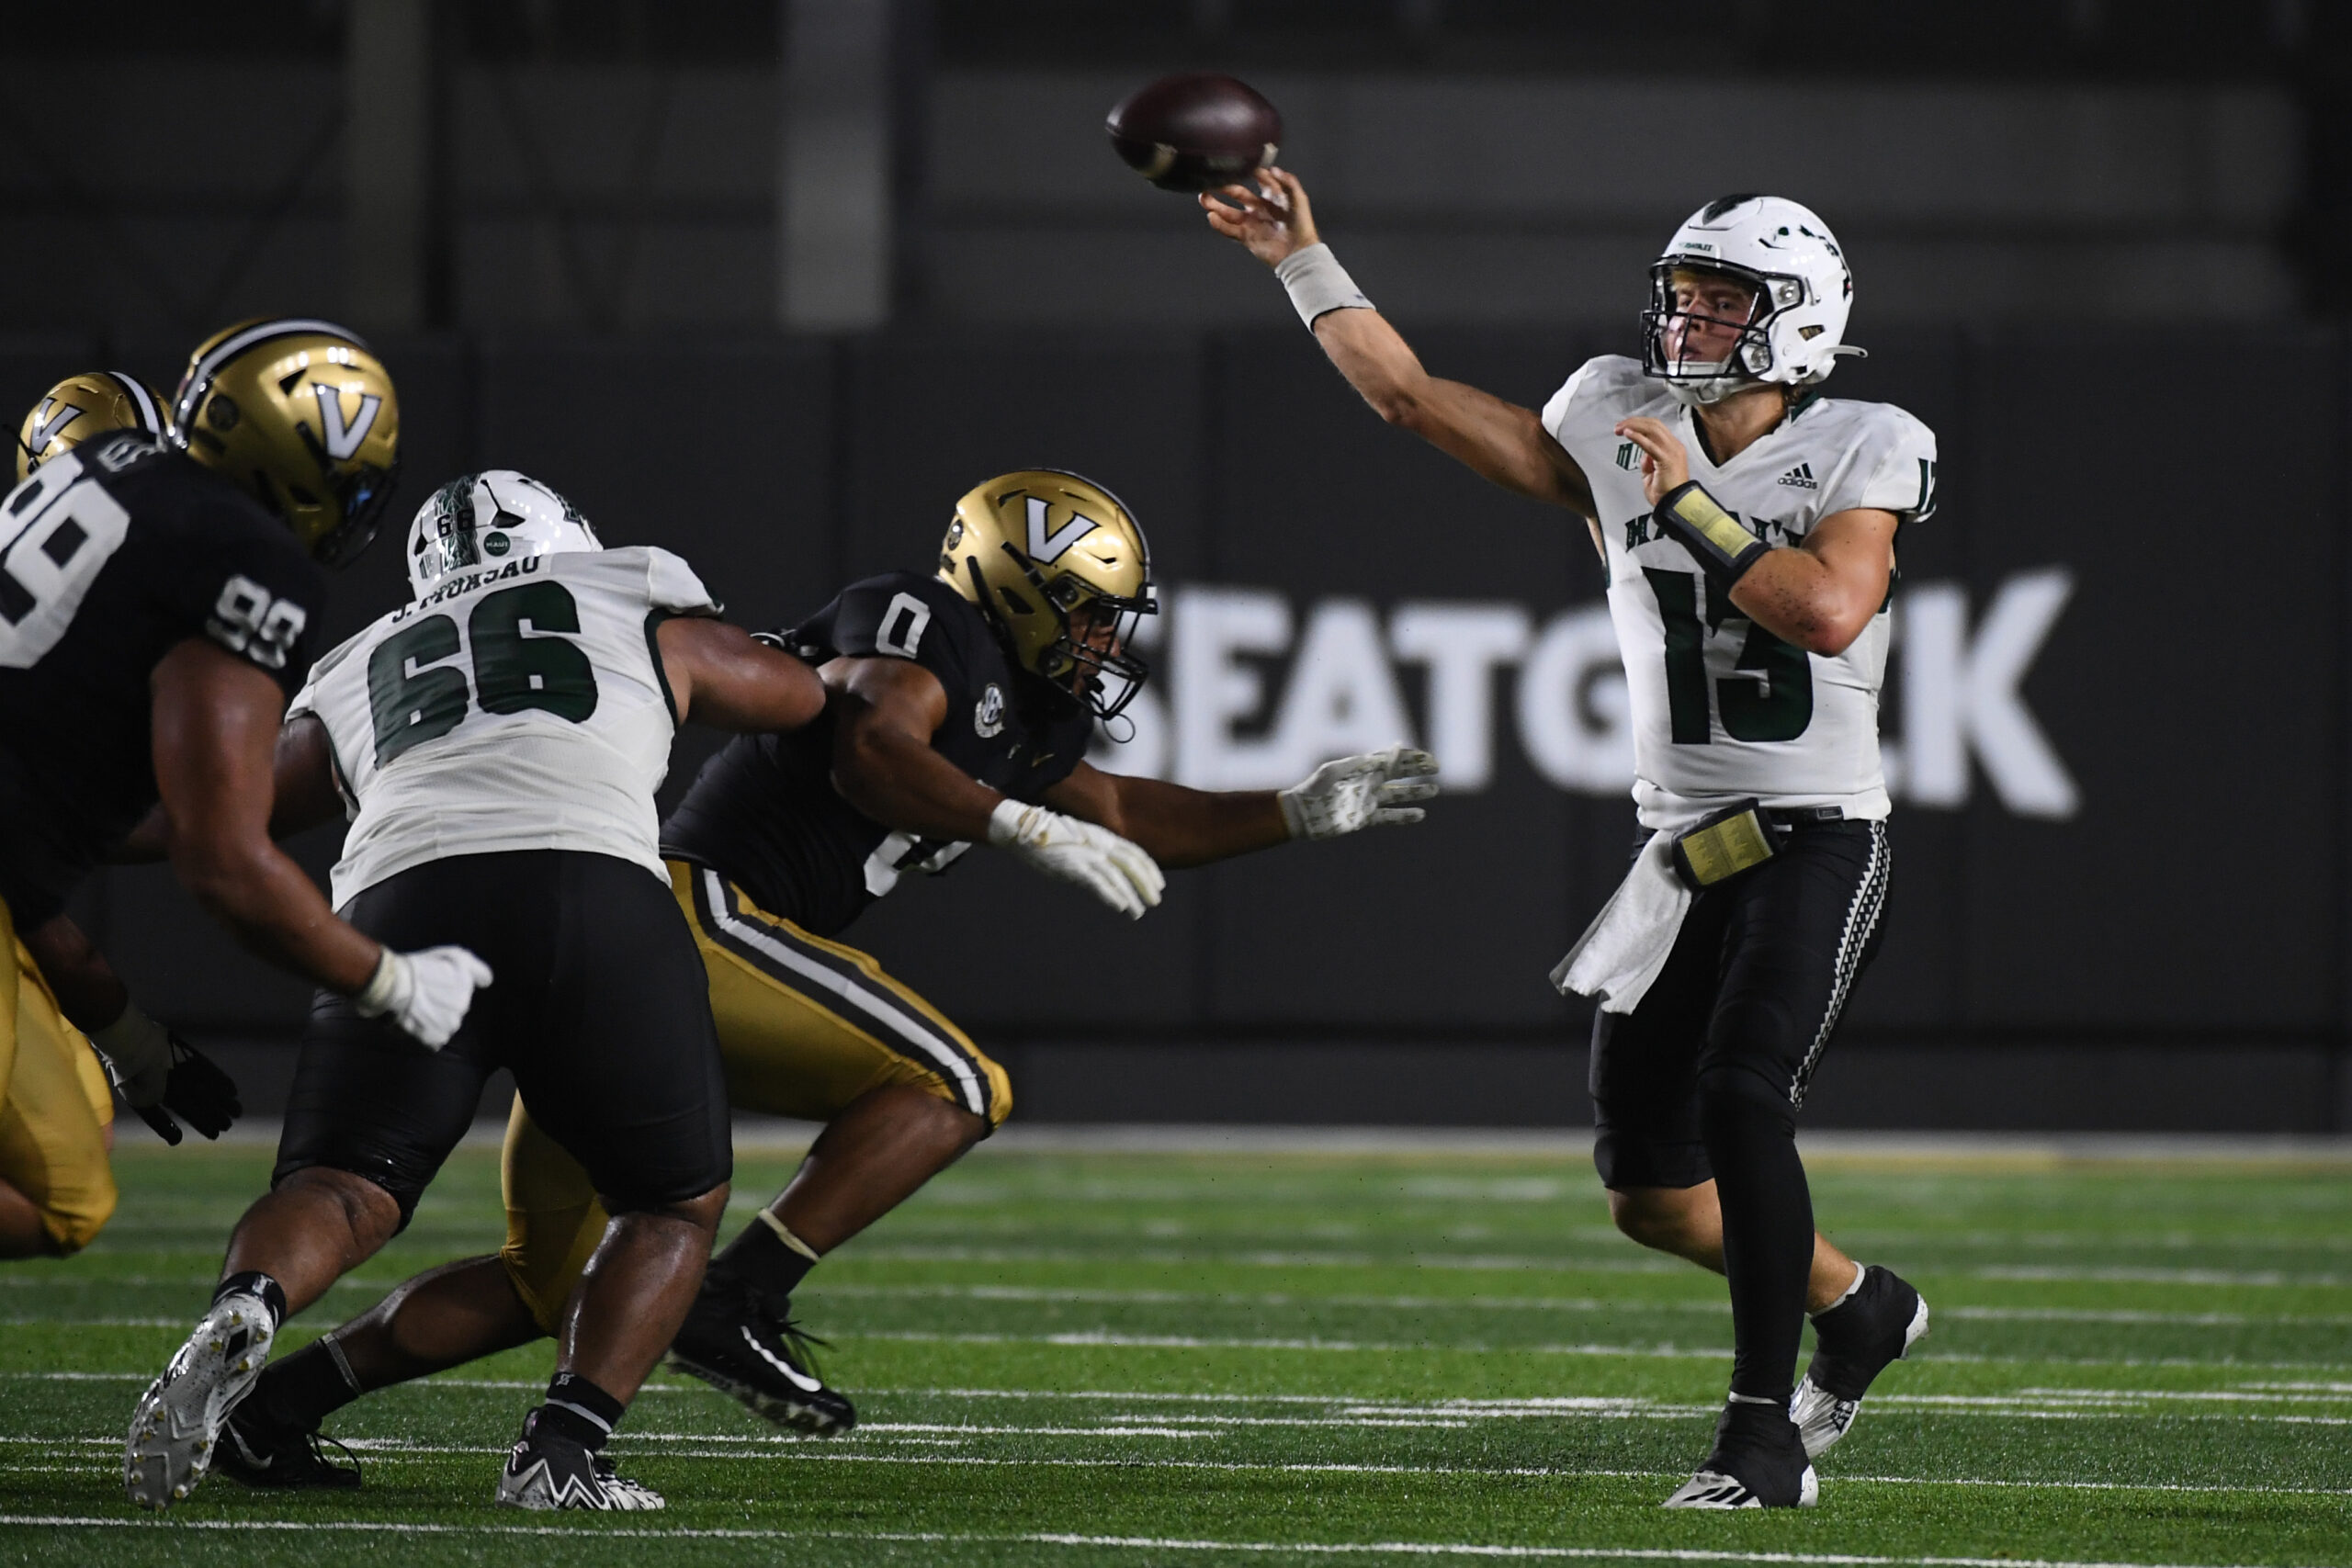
(1768, 1236)
(253, 1283)
(578, 1409)
(304, 1388)
(767, 1256)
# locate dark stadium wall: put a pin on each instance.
(2116, 710)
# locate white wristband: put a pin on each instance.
(1318, 284)
(134, 1043)
(1007, 821)
(382, 993)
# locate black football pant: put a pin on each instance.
(1703, 1080)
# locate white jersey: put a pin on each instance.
(515, 707)
(1724, 710)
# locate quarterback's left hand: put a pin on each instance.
(198, 1091)
(1367, 791)
(1664, 465)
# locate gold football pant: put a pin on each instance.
(805, 1027)
(54, 1106)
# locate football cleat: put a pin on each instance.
(1758, 1461)
(547, 1471)
(735, 1341)
(1853, 1342)
(176, 1430)
(280, 1458)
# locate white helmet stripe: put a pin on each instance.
(151, 416)
(228, 348)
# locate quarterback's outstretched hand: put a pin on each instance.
(427, 992)
(1367, 791)
(1120, 872)
(1270, 221)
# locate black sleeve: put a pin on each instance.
(255, 590)
(905, 616)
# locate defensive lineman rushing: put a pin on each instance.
(1748, 524)
(960, 705)
(57, 1189)
(498, 742)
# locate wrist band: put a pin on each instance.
(1724, 548)
(376, 996)
(1318, 284)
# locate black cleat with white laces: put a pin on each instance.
(743, 1345)
(283, 1458)
(1758, 1461)
(1853, 1342)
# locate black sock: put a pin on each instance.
(253, 1283)
(578, 1409)
(1768, 1236)
(760, 1258)
(303, 1389)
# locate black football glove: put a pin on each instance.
(198, 1091)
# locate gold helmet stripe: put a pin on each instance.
(152, 418)
(200, 375)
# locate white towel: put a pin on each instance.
(1626, 945)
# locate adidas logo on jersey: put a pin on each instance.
(1801, 476)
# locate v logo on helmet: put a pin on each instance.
(45, 428)
(343, 440)
(1050, 547)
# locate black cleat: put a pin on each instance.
(1758, 1461)
(280, 1458)
(738, 1342)
(1853, 1342)
(547, 1471)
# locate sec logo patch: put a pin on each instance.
(987, 713)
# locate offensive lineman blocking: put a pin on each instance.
(1747, 527)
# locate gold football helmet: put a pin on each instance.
(86, 405)
(303, 413)
(1058, 564)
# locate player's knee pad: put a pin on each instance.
(74, 1222)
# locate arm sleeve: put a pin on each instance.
(1898, 471)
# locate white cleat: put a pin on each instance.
(1714, 1489)
(1862, 1339)
(546, 1472)
(180, 1416)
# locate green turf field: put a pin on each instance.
(1132, 1359)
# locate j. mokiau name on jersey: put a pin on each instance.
(465, 582)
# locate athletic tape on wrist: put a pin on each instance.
(376, 996)
(133, 1043)
(1318, 284)
(1722, 545)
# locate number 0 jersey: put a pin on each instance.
(110, 556)
(763, 813)
(1722, 708)
(516, 707)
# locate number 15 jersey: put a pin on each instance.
(520, 706)
(1724, 710)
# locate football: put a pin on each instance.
(1195, 131)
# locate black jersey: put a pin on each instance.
(111, 555)
(763, 812)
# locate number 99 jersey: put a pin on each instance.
(1724, 710)
(520, 706)
(110, 556)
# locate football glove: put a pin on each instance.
(1354, 792)
(426, 992)
(1121, 874)
(157, 1073)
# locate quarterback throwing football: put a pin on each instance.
(1747, 525)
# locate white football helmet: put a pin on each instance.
(487, 518)
(1803, 289)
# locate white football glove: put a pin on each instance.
(1368, 791)
(1121, 874)
(427, 992)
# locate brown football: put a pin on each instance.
(1195, 131)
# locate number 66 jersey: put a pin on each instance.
(516, 706)
(1722, 709)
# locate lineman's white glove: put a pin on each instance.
(1369, 791)
(1119, 872)
(427, 992)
